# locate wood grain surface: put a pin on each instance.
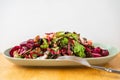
(10, 71)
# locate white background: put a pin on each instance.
(98, 20)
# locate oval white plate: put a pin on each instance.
(53, 62)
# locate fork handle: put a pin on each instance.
(106, 69)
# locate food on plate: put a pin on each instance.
(56, 44)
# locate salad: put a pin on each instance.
(56, 44)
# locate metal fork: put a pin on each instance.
(106, 69)
(86, 63)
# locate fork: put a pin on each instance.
(86, 63)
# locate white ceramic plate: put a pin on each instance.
(53, 62)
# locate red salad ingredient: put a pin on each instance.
(57, 44)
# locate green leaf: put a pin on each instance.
(79, 49)
(59, 34)
(64, 41)
(72, 35)
(45, 44)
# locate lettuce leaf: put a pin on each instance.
(79, 49)
(64, 41)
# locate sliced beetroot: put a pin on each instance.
(14, 49)
(97, 50)
(22, 51)
(88, 49)
(104, 53)
(25, 48)
(23, 43)
(96, 55)
(30, 41)
(63, 51)
(29, 45)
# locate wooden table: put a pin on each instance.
(9, 71)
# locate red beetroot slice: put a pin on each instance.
(14, 49)
(22, 51)
(63, 51)
(96, 55)
(97, 50)
(88, 49)
(23, 43)
(25, 48)
(104, 53)
(30, 41)
(29, 45)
